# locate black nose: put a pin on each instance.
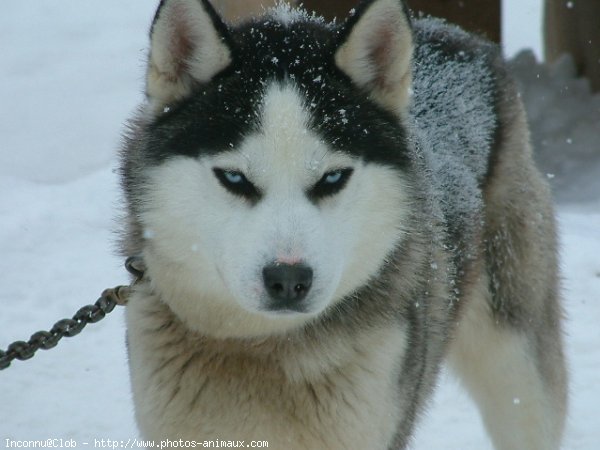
(287, 284)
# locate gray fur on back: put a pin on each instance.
(453, 95)
(453, 114)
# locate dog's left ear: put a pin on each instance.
(376, 52)
(188, 45)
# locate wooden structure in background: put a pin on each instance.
(574, 27)
(479, 16)
(569, 26)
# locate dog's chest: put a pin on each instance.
(345, 411)
(204, 395)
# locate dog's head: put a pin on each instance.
(273, 159)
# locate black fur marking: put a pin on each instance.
(219, 114)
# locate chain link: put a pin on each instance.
(45, 340)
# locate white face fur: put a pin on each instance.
(207, 247)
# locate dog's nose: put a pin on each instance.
(287, 284)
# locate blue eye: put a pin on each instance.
(233, 177)
(330, 184)
(237, 183)
(333, 177)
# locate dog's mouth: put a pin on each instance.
(308, 307)
(278, 309)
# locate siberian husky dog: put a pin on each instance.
(326, 212)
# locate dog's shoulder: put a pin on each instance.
(455, 84)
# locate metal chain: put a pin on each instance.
(45, 340)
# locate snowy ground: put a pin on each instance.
(70, 74)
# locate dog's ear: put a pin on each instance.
(188, 45)
(376, 52)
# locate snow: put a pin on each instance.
(284, 13)
(71, 74)
(565, 119)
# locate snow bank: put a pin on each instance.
(565, 125)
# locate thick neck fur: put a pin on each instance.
(269, 388)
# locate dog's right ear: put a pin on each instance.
(188, 45)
